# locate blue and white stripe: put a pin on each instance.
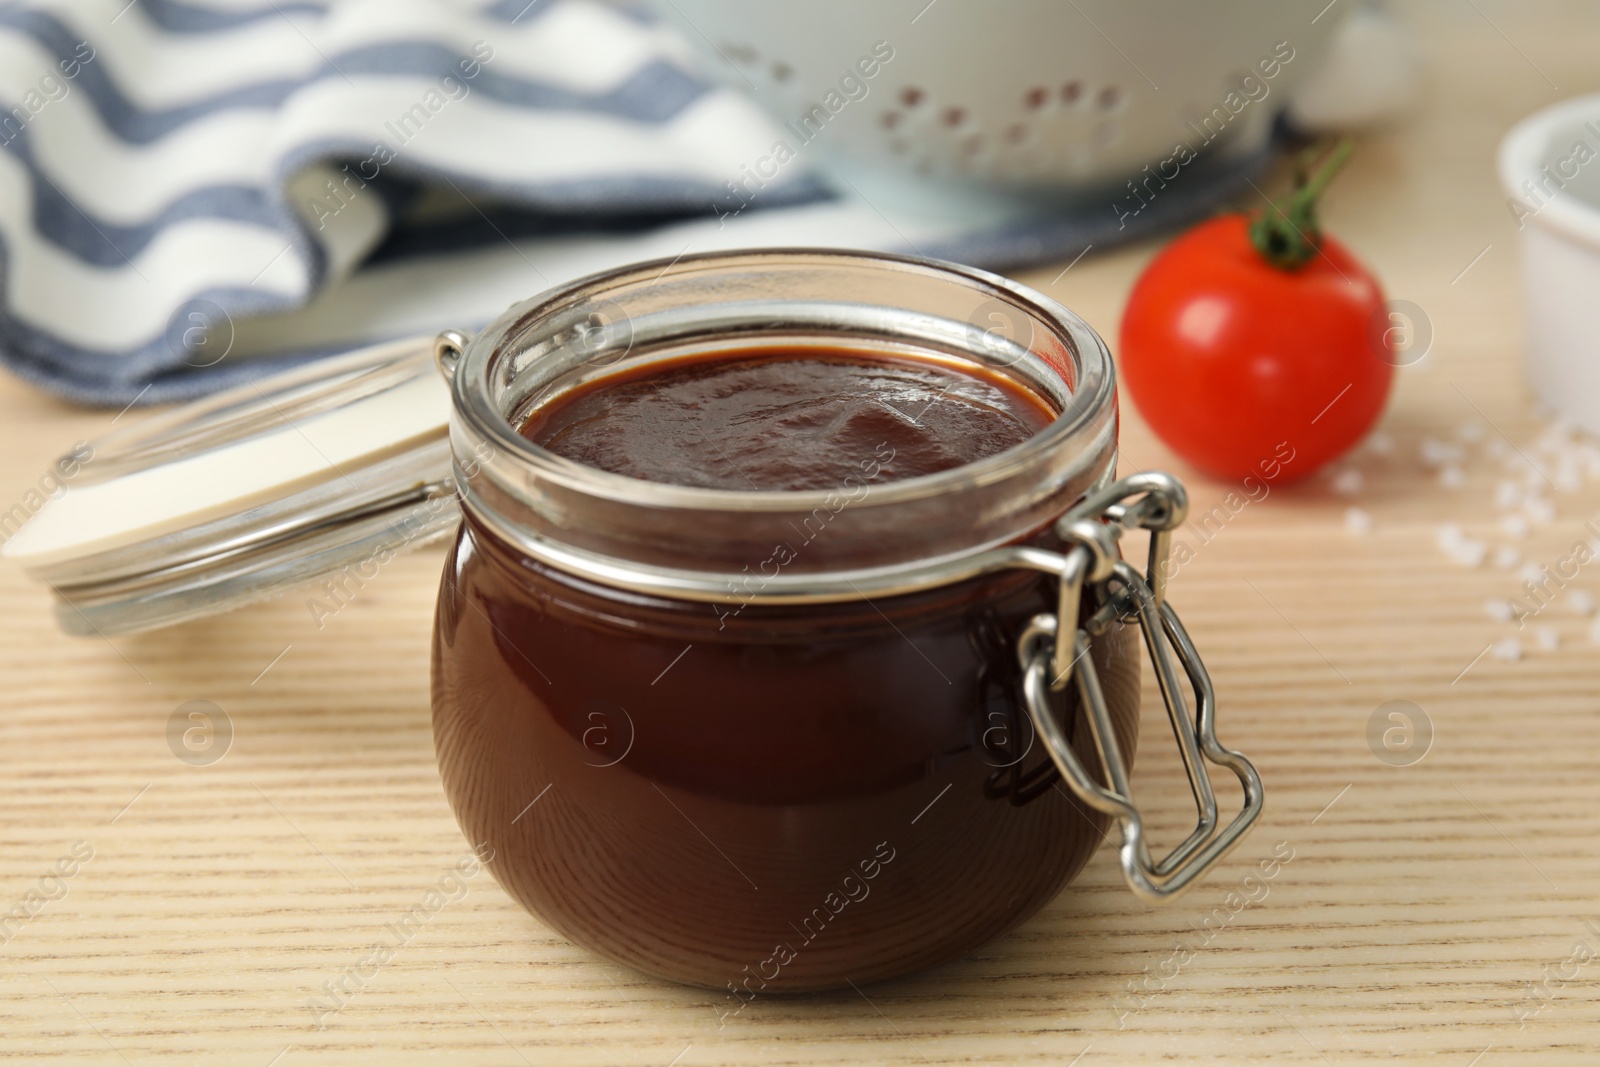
(183, 162)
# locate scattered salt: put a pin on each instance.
(1530, 572)
(1507, 495)
(1380, 443)
(1452, 477)
(1348, 482)
(1471, 432)
(1436, 453)
(1454, 543)
(1357, 522)
(1514, 525)
(1499, 610)
(1548, 637)
(1507, 556)
(1580, 602)
(1560, 431)
(1468, 553)
(1508, 649)
(1539, 510)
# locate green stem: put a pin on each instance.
(1288, 234)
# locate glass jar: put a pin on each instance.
(776, 741)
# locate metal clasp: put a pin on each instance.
(1054, 652)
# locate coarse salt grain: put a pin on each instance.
(1552, 443)
(1499, 610)
(1454, 543)
(1539, 510)
(1507, 648)
(1380, 443)
(1436, 453)
(1452, 477)
(1507, 556)
(1514, 525)
(1548, 637)
(1580, 602)
(1507, 495)
(1357, 522)
(1530, 572)
(1347, 482)
(1470, 432)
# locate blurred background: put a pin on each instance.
(194, 192)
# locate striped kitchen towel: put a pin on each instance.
(192, 195)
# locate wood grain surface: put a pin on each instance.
(1440, 912)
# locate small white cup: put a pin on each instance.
(1550, 169)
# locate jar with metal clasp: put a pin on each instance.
(768, 740)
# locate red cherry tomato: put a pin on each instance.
(1237, 363)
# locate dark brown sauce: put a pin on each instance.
(779, 799)
(785, 418)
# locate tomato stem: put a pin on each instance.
(1288, 234)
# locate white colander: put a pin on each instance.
(1062, 97)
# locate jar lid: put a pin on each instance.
(239, 497)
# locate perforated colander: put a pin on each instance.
(1061, 97)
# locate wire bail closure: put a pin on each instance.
(1053, 654)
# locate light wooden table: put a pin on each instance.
(1421, 905)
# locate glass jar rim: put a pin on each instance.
(691, 542)
(1092, 387)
